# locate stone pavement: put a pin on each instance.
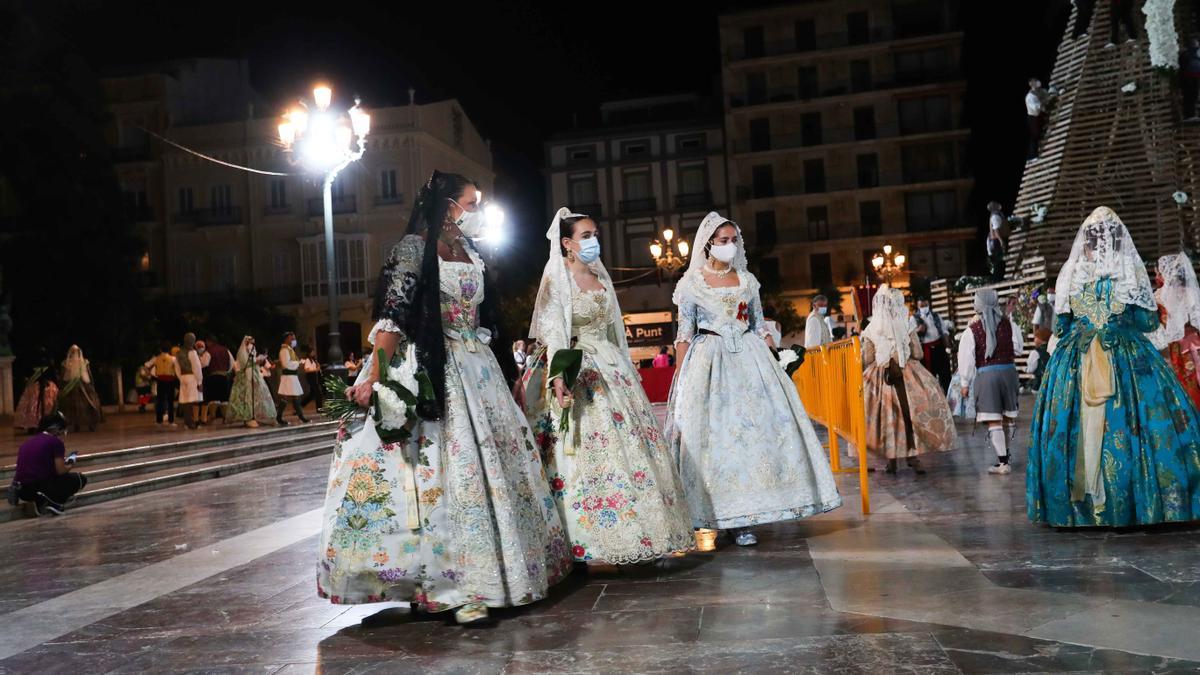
(946, 576)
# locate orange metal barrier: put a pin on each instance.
(830, 383)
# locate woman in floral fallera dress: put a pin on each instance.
(460, 516)
(611, 473)
(747, 451)
(250, 400)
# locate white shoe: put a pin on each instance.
(1000, 469)
(746, 538)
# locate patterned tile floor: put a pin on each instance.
(945, 577)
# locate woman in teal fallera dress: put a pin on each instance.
(1115, 440)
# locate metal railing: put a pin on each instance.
(850, 182)
(829, 136)
(343, 204)
(277, 210)
(683, 201)
(391, 200)
(592, 210)
(229, 215)
(639, 205)
(801, 93)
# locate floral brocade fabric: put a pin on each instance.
(462, 512)
(747, 451)
(611, 474)
(933, 425)
(1150, 451)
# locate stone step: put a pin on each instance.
(88, 461)
(116, 488)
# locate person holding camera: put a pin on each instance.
(44, 472)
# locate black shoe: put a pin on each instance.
(10, 495)
(915, 465)
(891, 467)
(305, 420)
(43, 505)
(279, 420)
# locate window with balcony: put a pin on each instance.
(763, 178)
(760, 134)
(864, 123)
(281, 269)
(765, 233)
(934, 210)
(221, 198)
(820, 266)
(818, 223)
(925, 115)
(937, 260)
(387, 186)
(693, 186)
(814, 175)
(768, 274)
(928, 162)
(868, 170)
(278, 188)
(753, 42)
(583, 195)
(807, 82)
(924, 65)
(638, 191)
(350, 254)
(806, 35)
(137, 208)
(870, 218)
(756, 88)
(857, 28)
(186, 202)
(860, 75)
(810, 129)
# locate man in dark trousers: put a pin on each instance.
(44, 473)
(218, 369)
(935, 341)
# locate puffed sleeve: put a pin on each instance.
(687, 322)
(397, 286)
(966, 358)
(1018, 339)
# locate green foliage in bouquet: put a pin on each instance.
(338, 407)
(566, 364)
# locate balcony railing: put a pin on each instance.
(830, 136)
(277, 209)
(591, 210)
(835, 41)
(390, 200)
(692, 200)
(639, 205)
(341, 205)
(851, 182)
(229, 215)
(799, 94)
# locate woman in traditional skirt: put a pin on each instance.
(38, 399)
(1179, 311)
(78, 399)
(615, 484)
(907, 413)
(1115, 440)
(460, 517)
(748, 454)
(250, 400)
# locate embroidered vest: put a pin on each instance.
(1004, 344)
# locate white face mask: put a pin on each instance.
(589, 250)
(725, 252)
(293, 344)
(471, 223)
(1050, 298)
(822, 311)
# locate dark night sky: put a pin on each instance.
(522, 68)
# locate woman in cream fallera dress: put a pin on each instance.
(747, 452)
(611, 473)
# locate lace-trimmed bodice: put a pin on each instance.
(590, 313)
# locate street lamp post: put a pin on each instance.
(888, 264)
(327, 142)
(664, 254)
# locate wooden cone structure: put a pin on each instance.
(1128, 150)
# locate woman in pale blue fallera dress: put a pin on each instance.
(747, 452)
(1115, 440)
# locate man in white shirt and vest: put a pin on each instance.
(935, 341)
(816, 329)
